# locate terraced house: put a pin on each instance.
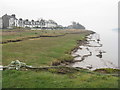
(10, 21)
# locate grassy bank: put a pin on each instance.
(41, 51)
(44, 79)
(26, 34)
(44, 51)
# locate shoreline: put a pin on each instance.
(67, 62)
(85, 43)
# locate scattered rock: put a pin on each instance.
(89, 66)
(15, 65)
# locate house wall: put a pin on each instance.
(11, 22)
(20, 23)
(5, 19)
(1, 25)
(51, 25)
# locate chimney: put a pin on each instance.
(13, 15)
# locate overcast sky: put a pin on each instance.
(90, 13)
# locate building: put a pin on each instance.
(20, 23)
(75, 26)
(12, 22)
(51, 24)
(9, 21)
(1, 23)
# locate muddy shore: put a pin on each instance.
(89, 54)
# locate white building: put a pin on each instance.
(20, 23)
(12, 22)
(51, 24)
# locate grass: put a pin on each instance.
(43, 52)
(20, 34)
(43, 79)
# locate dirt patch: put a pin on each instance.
(7, 33)
(107, 70)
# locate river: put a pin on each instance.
(109, 49)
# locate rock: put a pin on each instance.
(89, 66)
(99, 55)
(16, 65)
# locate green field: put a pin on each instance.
(44, 51)
(42, 79)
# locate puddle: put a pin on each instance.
(35, 39)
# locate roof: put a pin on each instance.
(9, 16)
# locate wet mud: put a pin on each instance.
(89, 55)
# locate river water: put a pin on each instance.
(104, 54)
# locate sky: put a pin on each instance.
(93, 14)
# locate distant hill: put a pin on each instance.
(116, 29)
